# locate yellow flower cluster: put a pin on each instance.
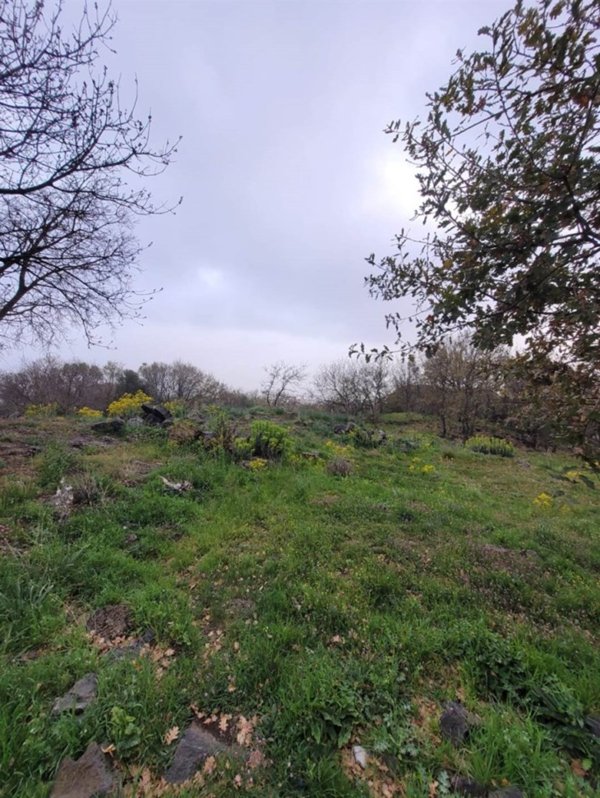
(337, 449)
(257, 463)
(129, 404)
(41, 411)
(543, 500)
(89, 412)
(416, 466)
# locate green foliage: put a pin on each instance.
(55, 462)
(268, 440)
(489, 445)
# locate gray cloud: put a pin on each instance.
(287, 178)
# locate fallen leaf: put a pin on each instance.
(171, 735)
(237, 781)
(433, 789)
(209, 765)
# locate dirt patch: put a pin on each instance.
(500, 558)
(110, 622)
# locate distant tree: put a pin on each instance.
(50, 381)
(129, 381)
(67, 147)
(461, 384)
(353, 387)
(405, 391)
(281, 379)
(509, 175)
(179, 380)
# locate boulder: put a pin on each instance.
(111, 426)
(156, 414)
(193, 749)
(90, 776)
(79, 697)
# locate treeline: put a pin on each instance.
(70, 386)
(542, 405)
(468, 390)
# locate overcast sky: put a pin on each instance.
(288, 181)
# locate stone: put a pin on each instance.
(79, 697)
(155, 414)
(507, 792)
(193, 749)
(112, 426)
(592, 724)
(360, 755)
(455, 723)
(90, 776)
(463, 785)
(111, 621)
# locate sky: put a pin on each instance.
(288, 181)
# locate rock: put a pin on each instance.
(90, 776)
(133, 648)
(135, 422)
(592, 724)
(155, 414)
(112, 426)
(111, 621)
(196, 745)
(456, 722)
(360, 755)
(79, 697)
(463, 785)
(507, 792)
(177, 487)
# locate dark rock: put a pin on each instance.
(79, 697)
(196, 745)
(111, 621)
(133, 648)
(90, 776)
(507, 792)
(79, 443)
(455, 723)
(592, 724)
(463, 785)
(343, 429)
(112, 426)
(155, 414)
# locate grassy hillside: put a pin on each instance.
(297, 607)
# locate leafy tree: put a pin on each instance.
(67, 147)
(510, 181)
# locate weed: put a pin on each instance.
(487, 445)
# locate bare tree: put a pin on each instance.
(281, 378)
(67, 146)
(353, 387)
(179, 380)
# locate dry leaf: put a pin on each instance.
(108, 749)
(224, 723)
(577, 768)
(171, 735)
(237, 781)
(433, 789)
(245, 729)
(255, 760)
(209, 765)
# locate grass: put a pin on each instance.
(332, 608)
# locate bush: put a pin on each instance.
(339, 467)
(129, 404)
(89, 412)
(485, 445)
(42, 411)
(268, 440)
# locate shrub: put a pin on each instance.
(485, 445)
(42, 411)
(129, 404)
(89, 412)
(268, 440)
(339, 467)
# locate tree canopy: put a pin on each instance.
(67, 148)
(509, 175)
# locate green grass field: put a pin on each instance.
(301, 610)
